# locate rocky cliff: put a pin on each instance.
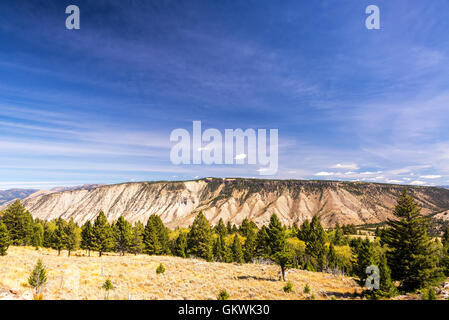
(235, 199)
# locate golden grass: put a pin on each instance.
(134, 277)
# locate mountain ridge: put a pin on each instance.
(233, 199)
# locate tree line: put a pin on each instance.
(407, 258)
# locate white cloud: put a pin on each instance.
(431, 176)
(324, 173)
(417, 183)
(347, 166)
(394, 181)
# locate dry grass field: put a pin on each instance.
(134, 277)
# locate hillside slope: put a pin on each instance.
(293, 201)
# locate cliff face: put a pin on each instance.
(235, 199)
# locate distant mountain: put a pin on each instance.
(294, 201)
(11, 194)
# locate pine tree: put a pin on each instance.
(365, 258)
(276, 234)
(229, 227)
(249, 248)
(181, 245)
(221, 228)
(19, 223)
(387, 288)
(71, 236)
(220, 250)
(87, 237)
(237, 252)
(316, 243)
(162, 233)
(4, 239)
(152, 246)
(123, 235)
(279, 252)
(245, 227)
(262, 243)
(49, 229)
(103, 240)
(38, 235)
(445, 238)
(137, 245)
(338, 236)
(332, 258)
(199, 239)
(410, 255)
(58, 241)
(38, 277)
(304, 231)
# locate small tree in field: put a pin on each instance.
(223, 295)
(38, 277)
(107, 286)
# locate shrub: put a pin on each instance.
(107, 286)
(307, 289)
(223, 295)
(288, 287)
(429, 294)
(160, 269)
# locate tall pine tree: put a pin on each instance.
(410, 255)
(103, 240)
(199, 239)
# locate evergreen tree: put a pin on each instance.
(237, 252)
(4, 239)
(103, 239)
(410, 255)
(123, 235)
(49, 228)
(38, 277)
(152, 246)
(71, 236)
(87, 237)
(280, 253)
(199, 239)
(221, 251)
(387, 288)
(262, 243)
(229, 227)
(38, 235)
(137, 245)
(332, 258)
(284, 259)
(338, 236)
(19, 223)
(221, 228)
(316, 243)
(249, 248)
(58, 241)
(245, 227)
(276, 235)
(445, 238)
(365, 258)
(162, 233)
(304, 231)
(181, 245)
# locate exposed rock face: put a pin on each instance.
(235, 199)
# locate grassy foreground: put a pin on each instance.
(134, 277)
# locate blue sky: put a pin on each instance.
(97, 105)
